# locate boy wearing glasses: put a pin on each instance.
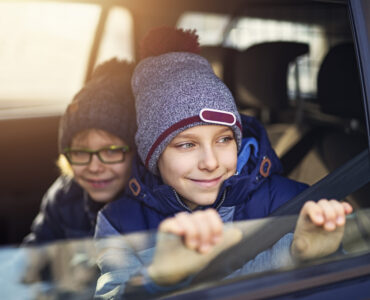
(96, 146)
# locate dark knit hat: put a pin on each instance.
(105, 102)
(174, 90)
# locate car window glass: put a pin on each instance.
(245, 32)
(313, 113)
(45, 48)
(69, 267)
(117, 38)
(44, 52)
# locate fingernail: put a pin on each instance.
(319, 218)
(204, 248)
(340, 220)
(330, 225)
(192, 243)
(216, 239)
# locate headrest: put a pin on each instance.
(260, 73)
(338, 83)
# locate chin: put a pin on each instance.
(101, 199)
(205, 201)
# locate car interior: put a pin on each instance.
(292, 64)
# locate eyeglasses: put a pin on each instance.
(107, 155)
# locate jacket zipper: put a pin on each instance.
(180, 202)
(189, 210)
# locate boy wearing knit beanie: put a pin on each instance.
(201, 165)
(96, 146)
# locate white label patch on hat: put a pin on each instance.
(216, 116)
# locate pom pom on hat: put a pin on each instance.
(105, 102)
(165, 39)
(113, 67)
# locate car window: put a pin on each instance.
(68, 268)
(320, 30)
(294, 69)
(117, 38)
(45, 49)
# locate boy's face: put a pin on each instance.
(101, 181)
(197, 161)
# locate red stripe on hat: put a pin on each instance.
(167, 132)
(173, 128)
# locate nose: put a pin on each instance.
(208, 159)
(95, 164)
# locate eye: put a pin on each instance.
(78, 153)
(111, 152)
(185, 145)
(225, 139)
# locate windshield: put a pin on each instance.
(70, 269)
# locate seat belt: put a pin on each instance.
(337, 185)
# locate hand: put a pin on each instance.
(194, 240)
(200, 230)
(320, 228)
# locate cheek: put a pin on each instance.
(171, 169)
(230, 160)
(77, 170)
(121, 170)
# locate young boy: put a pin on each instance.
(202, 164)
(96, 146)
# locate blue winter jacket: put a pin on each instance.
(254, 192)
(67, 212)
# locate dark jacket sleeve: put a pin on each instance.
(271, 194)
(47, 224)
(283, 189)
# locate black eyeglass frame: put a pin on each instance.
(124, 149)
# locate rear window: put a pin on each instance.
(244, 32)
(44, 52)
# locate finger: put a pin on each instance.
(171, 225)
(191, 233)
(340, 217)
(314, 212)
(329, 214)
(210, 226)
(216, 225)
(347, 208)
(203, 225)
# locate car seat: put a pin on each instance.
(340, 133)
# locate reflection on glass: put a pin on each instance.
(69, 268)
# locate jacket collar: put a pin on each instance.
(151, 191)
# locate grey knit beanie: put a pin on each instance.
(173, 92)
(105, 102)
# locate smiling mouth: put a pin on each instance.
(207, 183)
(98, 183)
